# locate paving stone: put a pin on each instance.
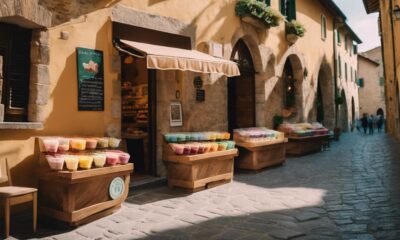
(307, 216)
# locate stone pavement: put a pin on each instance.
(348, 192)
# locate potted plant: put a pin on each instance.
(258, 14)
(294, 30)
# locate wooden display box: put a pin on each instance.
(201, 171)
(81, 196)
(300, 146)
(258, 155)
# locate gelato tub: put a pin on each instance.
(85, 161)
(72, 162)
(99, 159)
(55, 162)
(78, 144)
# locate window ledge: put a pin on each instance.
(21, 125)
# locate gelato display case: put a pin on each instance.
(81, 179)
(304, 138)
(196, 161)
(259, 148)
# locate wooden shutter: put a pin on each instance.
(291, 10)
(283, 7)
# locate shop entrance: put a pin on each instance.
(241, 90)
(138, 114)
(344, 116)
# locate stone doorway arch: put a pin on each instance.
(241, 90)
(324, 107)
(291, 82)
(380, 112)
(353, 112)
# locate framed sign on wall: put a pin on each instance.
(176, 114)
(90, 69)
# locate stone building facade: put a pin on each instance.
(372, 83)
(390, 35)
(58, 27)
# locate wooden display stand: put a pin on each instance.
(81, 196)
(259, 155)
(197, 172)
(300, 146)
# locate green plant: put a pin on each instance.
(278, 120)
(259, 10)
(296, 28)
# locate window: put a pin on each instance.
(351, 74)
(345, 43)
(323, 27)
(351, 48)
(339, 40)
(361, 82)
(355, 49)
(340, 67)
(288, 9)
(355, 75)
(15, 49)
(345, 71)
(267, 2)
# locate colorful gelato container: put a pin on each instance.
(99, 159)
(114, 142)
(112, 158)
(85, 161)
(178, 148)
(78, 144)
(214, 147)
(50, 144)
(55, 162)
(63, 144)
(72, 162)
(102, 142)
(91, 143)
(124, 158)
(222, 146)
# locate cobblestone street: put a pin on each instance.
(348, 192)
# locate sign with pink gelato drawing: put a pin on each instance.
(90, 68)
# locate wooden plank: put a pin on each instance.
(200, 157)
(21, 199)
(309, 137)
(257, 158)
(251, 145)
(76, 176)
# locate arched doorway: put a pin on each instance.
(241, 90)
(320, 105)
(324, 100)
(344, 116)
(380, 112)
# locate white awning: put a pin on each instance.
(169, 58)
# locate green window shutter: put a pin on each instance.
(339, 40)
(355, 49)
(291, 10)
(268, 2)
(283, 7)
(345, 42)
(340, 66)
(361, 82)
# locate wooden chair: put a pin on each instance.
(11, 195)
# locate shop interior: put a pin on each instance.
(136, 115)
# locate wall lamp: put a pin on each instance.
(396, 12)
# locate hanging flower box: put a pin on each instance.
(294, 30)
(258, 14)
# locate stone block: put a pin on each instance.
(1, 113)
(36, 113)
(40, 74)
(40, 54)
(41, 37)
(38, 94)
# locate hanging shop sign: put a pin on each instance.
(90, 68)
(176, 114)
(116, 188)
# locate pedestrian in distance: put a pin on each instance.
(358, 125)
(379, 123)
(364, 123)
(371, 122)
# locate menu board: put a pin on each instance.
(90, 66)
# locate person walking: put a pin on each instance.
(358, 125)
(371, 124)
(364, 123)
(379, 123)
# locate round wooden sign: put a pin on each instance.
(116, 188)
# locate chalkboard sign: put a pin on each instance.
(90, 68)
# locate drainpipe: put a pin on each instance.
(384, 69)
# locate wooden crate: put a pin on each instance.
(259, 155)
(197, 172)
(80, 196)
(300, 146)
